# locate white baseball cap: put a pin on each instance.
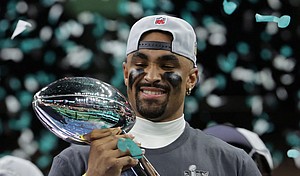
(241, 137)
(184, 38)
(15, 166)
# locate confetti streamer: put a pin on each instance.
(282, 22)
(21, 26)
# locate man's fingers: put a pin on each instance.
(110, 141)
(128, 161)
(101, 133)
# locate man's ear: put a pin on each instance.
(125, 73)
(193, 78)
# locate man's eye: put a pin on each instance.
(140, 65)
(168, 66)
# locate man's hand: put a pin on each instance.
(105, 158)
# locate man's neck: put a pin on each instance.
(157, 134)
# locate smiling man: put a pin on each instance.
(159, 71)
(157, 79)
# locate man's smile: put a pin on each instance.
(152, 92)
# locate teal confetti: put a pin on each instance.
(68, 45)
(44, 161)
(11, 9)
(25, 98)
(243, 48)
(4, 25)
(52, 141)
(2, 93)
(166, 6)
(293, 139)
(266, 54)
(125, 144)
(221, 81)
(201, 45)
(15, 84)
(278, 157)
(229, 7)
(228, 63)
(186, 15)
(149, 4)
(194, 6)
(47, 3)
(28, 45)
(282, 22)
(293, 153)
(191, 107)
(49, 58)
(44, 78)
(187, 116)
(99, 29)
(123, 7)
(207, 20)
(286, 51)
(22, 123)
(7, 43)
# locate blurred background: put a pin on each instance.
(249, 71)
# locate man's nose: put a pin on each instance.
(153, 74)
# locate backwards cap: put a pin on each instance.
(15, 166)
(184, 38)
(241, 136)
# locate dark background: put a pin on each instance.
(249, 70)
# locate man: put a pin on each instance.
(160, 70)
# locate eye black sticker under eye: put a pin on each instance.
(174, 79)
(133, 75)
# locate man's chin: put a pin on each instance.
(153, 114)
(151, 110)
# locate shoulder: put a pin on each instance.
(228, 155)
(75, 152)
(71, 161)
(216, 145)
(79, 149)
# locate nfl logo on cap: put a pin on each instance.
(160, 21)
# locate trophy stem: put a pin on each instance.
(144, 167)
(149, 169)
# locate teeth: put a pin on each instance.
(152, 92)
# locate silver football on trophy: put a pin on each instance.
(74, 106)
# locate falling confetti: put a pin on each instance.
(282, 22)
(293, 153)
(238, 60)
(21, 26)
(229, 7)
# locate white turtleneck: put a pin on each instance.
(153, 135)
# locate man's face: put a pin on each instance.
(157, 80)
